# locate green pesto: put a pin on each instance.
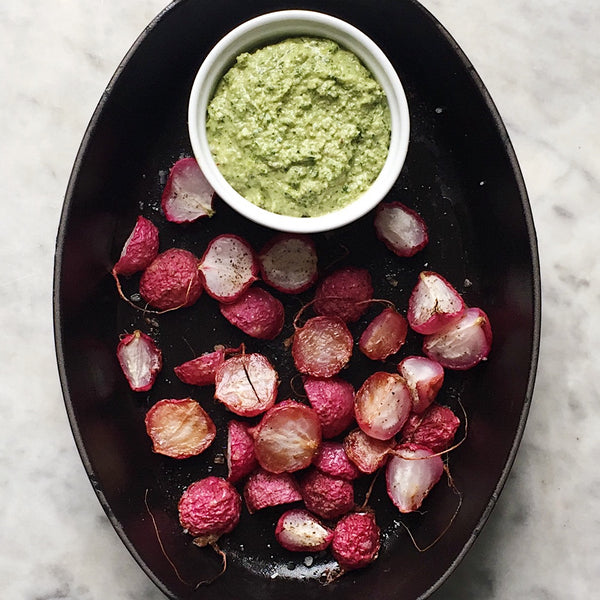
(299, 127)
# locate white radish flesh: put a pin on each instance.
(424, 378)
(400, 228)
(140, 359)
(298, 530)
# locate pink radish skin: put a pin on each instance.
(179, 428)
(356, 540)
(410, 474)
(367, 453)
(333, 400)
(433, 304)
(246, 384)
(424, 378)
(382, 405)
(298, 530)
(435, 428)
(384, 335)
(263, 489)
(288, 263)
(332, 459)
(187, 195)
(462, 344)
(400, 228)
(139, 250)
(241, 458)
(344, 294)
(257, 313)
(228, 267)
(322, 347)
(326, 496)
(140, 359)
(172, 280)
(287, 437)
(209, 508)
(202, 369)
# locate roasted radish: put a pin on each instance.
(333, 400)
(139, 250)
(367, 453)
(424, 378)
(434, 428)
(356, 540)
(384, 335)
(400, 228)
(332, 459)
(263, 489)
(202, 369)
(140, 359)
(241, 458)
(326, 496)
(298, 530)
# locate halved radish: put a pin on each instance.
(322, 347)
(246, 384)
(263, 489)
(139, 250)
(140, 359)
(179, 428)
(333, 400)
(435, 428)
(433, 303)
(410, 474)
(367, 453)
(187, 195)
(424, 378)
(400, 228)
(287, 437)
(228, 267)
(288, 263)
(241, 458)
(202, 369)
(298, 530)
(382, 405)
(384, 335)
(463, 343)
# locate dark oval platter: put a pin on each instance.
(461, 175)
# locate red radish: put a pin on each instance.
(367, 453)
(463, 343)
(140, 359)
(382, 405)
(322, 347)
(241, 458)
(139, 250)
(344, 294)
(424, 378)
(384, 335)
(264, 489)
(400, 228)
(228, 267)
(288, 263)
(333, 400)
(356, 540)
(332, 459)
(326, 496)
(179, 428)
(298, 530)
(246, 384)
(172, 280)
(287, 437)
(209, 508)
(202, 369)
(434, 428)
(257, 313)
(433, 304)
(187, 195)
(410, 474)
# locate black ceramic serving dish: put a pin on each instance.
(461, 174)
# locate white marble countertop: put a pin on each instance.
(541, 63)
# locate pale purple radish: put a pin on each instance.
(288, 263)
(410, 474)
(241, 458)
(179, 428)
(326, 496)
(434, 428)
(322, 347)
(246, 384)
(287, 437)
(433, 304)
(140, 360)
(257, 313)
(171, 280)
(382, 405)
(139, 250)
(332, 459)
(208, 509)
(367, 453)
(298, 530)
(333, 400)
(264, 489)
(356, 540)
(424, 378)
(384, 335)
(187, 195)
(463, 343)
(400, 228)
(228, 267)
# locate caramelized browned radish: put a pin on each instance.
(384, 335)
(367, 453)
